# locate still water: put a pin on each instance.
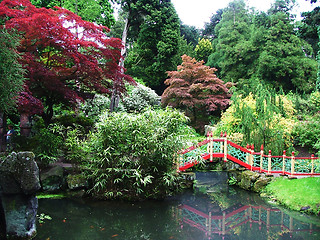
(213, 210)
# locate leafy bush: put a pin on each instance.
(301, 104)
(140, 98)
(306, 133)
(47, 146)
(72, 119)
(315, 101)
(92, 108)
(133, 155)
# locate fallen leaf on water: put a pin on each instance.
(114, 235)
(102, 229)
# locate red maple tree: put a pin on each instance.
(195, 89)
(64, 56)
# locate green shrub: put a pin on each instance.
(306, 133)
(72, 119)
(92, 108)
(315, 101)
(47, 146)
(133, 155)
(140, 98)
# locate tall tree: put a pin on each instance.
(308, 29)
(11, 71)
(156, 46)
(11, 78)
(209, 28)
(190, 33)
(64, 56)
(233, 33)
(282, 60)
(195, 89)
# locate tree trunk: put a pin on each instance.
(3, 126)
(48, 114)
(115, 97)
(25, 125)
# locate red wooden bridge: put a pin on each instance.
(255, 161)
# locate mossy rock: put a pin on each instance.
(248, 179)
(53, 179)
(261, 183)
(78, 181)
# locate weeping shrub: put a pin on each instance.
(133, 155)
(261, 118)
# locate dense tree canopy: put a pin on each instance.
(98, 11)
(64, 56)
(250, 46)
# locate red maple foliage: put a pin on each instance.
(195, 89)
(64, 56)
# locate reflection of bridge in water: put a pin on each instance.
(227, 222)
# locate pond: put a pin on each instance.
(213, 210)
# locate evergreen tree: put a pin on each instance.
(282, 60)
(156, 46)
(231, 45)
(190, 33)
(11, 71)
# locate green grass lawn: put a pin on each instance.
(297, 193)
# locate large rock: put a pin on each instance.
(19, 181)
(19, 173)
(20, 215)
(52, 180)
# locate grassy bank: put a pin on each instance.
(297, 194)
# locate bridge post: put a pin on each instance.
(223, 223)
(251, 156)
(292, 164)
(268, 219)
(225, 149)
(269, 163)
(312, 164)
(261, 158)
(283, 161)
(260, 222)
(211, 146)
(210, 230)
(221, 144)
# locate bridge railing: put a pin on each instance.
(223, 148)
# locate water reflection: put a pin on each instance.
(272, 221)
(224, 213)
